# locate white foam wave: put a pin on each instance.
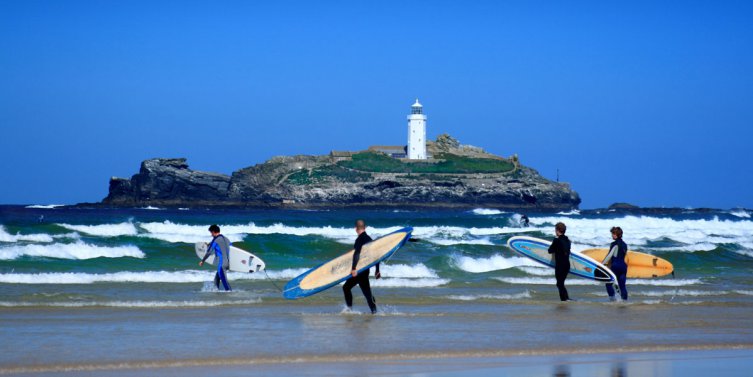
(7, 237)
(679, 292)
(131, 304)
(748, 251)
(744, 292)
(704, 246)
(45, 206)
(77, 250)
(174, 233)
(493, 263)
(580, 281)
(665, 282)
(574, 212)
(104, 230)
(445, 242)
(408, 283)
(487, 211)
(544, 281)
(691, 235)
(537, 271)
(150, 208)
(740, 213)
(285, 274)
(442, 235)
(186, 276)
(516, 296)
(405, 271)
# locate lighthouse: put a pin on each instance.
(417, 132)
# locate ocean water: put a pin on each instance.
(83, 278)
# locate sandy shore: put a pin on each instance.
(722, 360)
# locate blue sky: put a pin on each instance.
(649, 103)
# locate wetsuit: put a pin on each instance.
(221, 247)
(616, 259)
(362, 279)
(561, 249)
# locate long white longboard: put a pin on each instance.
(240, 260)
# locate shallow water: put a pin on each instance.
(113, 286)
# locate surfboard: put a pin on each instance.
(580, 265)
(240, 260)
(640, 265)
(337, 270)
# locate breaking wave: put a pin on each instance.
(77, 250)
(7, 237)
(104, 230)
(516, 296)
(487, 211)
(493, 263)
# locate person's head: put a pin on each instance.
(360, 226)
(616, 232)
(214, 229)
(560, 228)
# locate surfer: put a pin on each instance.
(561, 249)
(524, 221)
(361, 279)
(220, 245)
(615, 260)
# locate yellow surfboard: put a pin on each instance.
(640, 265)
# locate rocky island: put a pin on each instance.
(453, 176)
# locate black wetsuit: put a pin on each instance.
(361, 279)
(561, 249)
(619, 267)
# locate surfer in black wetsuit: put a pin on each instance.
(361, 279)
(615, 260)
(561, 249)
(524, 221)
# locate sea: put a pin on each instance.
(90, 289)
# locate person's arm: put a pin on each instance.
(356, 256)
(553, 246)
(612, 252)
(210, 248)
(378, 274)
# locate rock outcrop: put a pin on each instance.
(319, 182)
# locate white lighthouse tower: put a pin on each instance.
(417, 132)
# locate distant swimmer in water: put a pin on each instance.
(41, 219)
(615, 260)
(524, 221)
(561, 249)
(361, 279)
(220, 245)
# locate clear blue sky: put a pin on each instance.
(644, 102)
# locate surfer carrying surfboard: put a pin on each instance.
(220, 245)
(361, 279)
(560, 247)
(615, 260)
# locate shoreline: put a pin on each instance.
(452, 357)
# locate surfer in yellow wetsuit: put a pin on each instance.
(361, 279)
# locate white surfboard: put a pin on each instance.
(240, 260)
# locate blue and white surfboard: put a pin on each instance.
(337, 270)
(580, 265)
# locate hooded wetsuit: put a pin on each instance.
(616, 258)
(561, 249)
